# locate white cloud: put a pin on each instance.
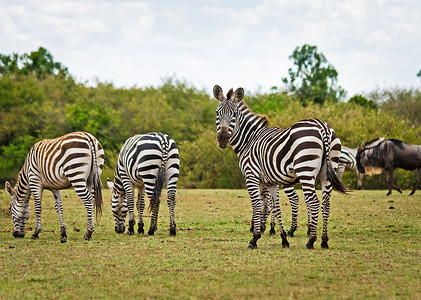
(237, 43)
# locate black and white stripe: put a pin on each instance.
(145, 161)
(347, 161)
(75, 159)
(272, 156)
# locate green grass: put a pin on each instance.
(375, 252)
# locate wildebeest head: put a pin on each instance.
(361, 158)
(226, 113)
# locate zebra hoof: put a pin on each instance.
(35, 235)
(140, 228)
(310, 244)
(119, 229)
(151, 231)
(272, 231)
(18, 234)
(324, 243)
(130, 232)
(63, 240)
(290, 233)
(172, 231)
(250, 246)
(88, 235)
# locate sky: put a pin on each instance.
(373, 44)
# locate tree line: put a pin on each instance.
(39, 99)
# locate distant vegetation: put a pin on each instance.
(40, 99)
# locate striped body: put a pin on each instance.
(272, 157)
(145, 161)
(75, 159)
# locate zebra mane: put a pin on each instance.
(263, 118)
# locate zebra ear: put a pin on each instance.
(110, 184)
(9, 189)
(217, 93)
(239, 94)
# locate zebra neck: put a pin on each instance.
(22, 185)
(249, 124)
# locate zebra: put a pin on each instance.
(273, 156)
(75, 159)
(145, 161)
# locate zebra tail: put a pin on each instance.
(96, 180)
(97, 192)
(159, 183)
(334, 180)
(331, 174)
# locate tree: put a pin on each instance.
(363, 102)
(39, 63)
(312, 78)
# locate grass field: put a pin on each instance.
(375, 252)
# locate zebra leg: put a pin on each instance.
(256, 203)
(293, 200)
(154, 218)
(171, 206)
(313, 204)
(341, 170)
(267, 203)
(37, 192)
(417, 183)
(84, 194)
(59, 209)
(276, 210)
(327, 191)
(128, 187)
(272, 230)
(140, 205)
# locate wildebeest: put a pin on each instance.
(389, 155)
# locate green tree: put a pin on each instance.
(40, 63)
(312, 78)
(364, 102)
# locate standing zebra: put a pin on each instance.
(75, 159)
(145, 161)
(272, 156)
(348, 161)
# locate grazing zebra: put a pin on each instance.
(348, 161)
(145, 161)
(273, 156)
(75, 159)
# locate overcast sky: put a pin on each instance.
(371, 43)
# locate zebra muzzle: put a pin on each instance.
(223, 137)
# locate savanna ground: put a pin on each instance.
(375, 252)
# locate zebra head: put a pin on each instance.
(118, 204)
(226, 113)
(20, 211)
